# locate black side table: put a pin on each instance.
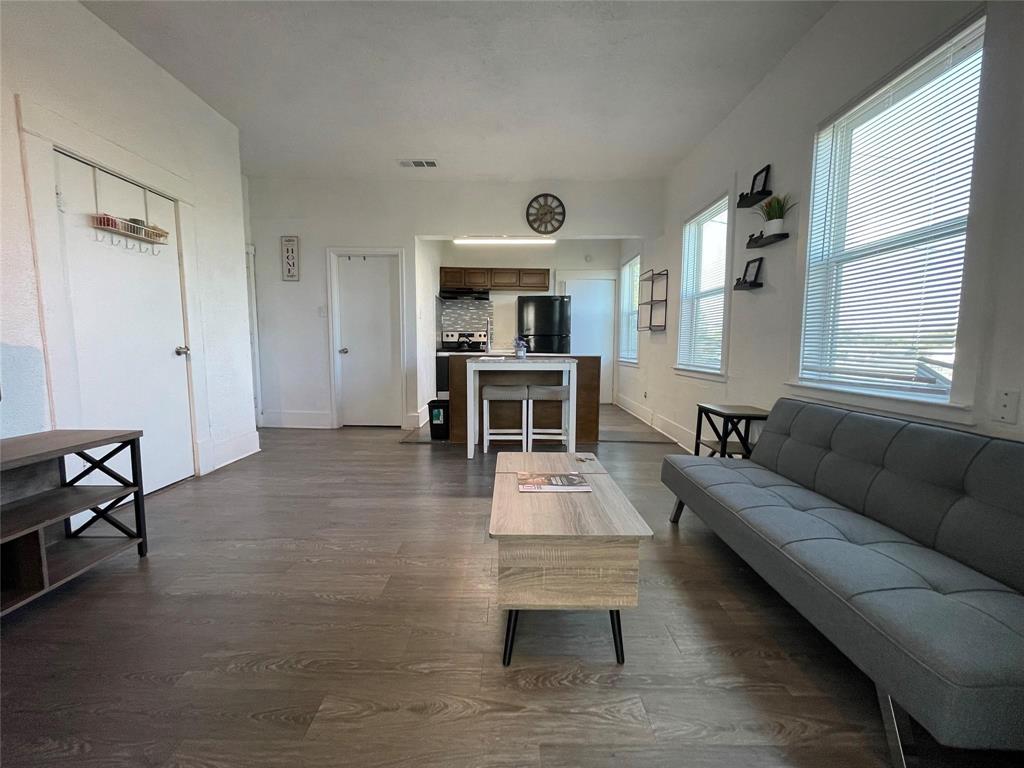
(736, 421)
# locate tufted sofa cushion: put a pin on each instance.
(901, 542)
(959, 493)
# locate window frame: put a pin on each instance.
(957, 401)
(634, 311)
(692, 371)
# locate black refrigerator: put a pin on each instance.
(544, 322)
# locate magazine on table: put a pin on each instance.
(571, 482)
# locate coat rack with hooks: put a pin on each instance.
(132, 234)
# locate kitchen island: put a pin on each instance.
(547, 414)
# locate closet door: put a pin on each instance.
(126, 301)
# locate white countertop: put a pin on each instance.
(500, 353)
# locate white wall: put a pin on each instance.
(851, 49)
(72, 73)
(428, 265)
(357, 213)
(563, 255)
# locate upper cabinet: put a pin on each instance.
(502, 277)
(496, 278)
(453, 277)
(477, 277)
(535, 279)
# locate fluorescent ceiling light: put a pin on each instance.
(504, 241)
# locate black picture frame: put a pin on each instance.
(763, 176)
(752, 270)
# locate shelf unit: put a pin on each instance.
(657, 307)
(41, 549)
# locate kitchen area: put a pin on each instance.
(481, 312)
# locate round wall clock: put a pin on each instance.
(545, 214)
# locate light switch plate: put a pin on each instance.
(1007, 405)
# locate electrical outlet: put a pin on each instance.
(1007, 405)
(645, 395)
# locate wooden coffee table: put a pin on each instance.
(564, 551)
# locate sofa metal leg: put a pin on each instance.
(677, 512)
(897, 729)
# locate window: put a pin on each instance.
(702, 294)
(888, 223)
(629, 296)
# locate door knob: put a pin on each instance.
(184, 350)
(344, 350)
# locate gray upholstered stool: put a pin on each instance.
(547, 392)
(490, 392)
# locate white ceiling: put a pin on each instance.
(491, 90)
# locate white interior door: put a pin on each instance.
(369, 371)
(127, 313)
(593, 324)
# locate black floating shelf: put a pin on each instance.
(760, 241)
(747, 286)
(750, 199)
(653, 328)
(652, 302)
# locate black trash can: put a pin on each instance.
(439, 410)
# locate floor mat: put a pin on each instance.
(617, 426)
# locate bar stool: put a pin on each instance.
(490, 392)
(548, 392)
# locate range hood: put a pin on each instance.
(464, 294)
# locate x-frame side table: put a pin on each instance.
(736, 421)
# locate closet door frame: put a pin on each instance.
(42, 133)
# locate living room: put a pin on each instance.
(784, 232)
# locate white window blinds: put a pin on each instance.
(889, 204)
(702, 294)
(629, 295)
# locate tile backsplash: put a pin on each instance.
(466, 315)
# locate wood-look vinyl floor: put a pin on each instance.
(330, 602)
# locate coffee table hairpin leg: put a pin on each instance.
(620, 653)
(510, 637)
(513, 620)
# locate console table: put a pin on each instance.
(736, 421)
(41, 549)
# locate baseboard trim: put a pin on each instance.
(236, 448)
(675, 432)
(417, 419)
(639, 410)
(297, 419)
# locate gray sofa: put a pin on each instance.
(903, 543)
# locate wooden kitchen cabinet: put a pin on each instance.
(538, 279)
(453, 277)
(496, 278)
(477, 277)
(504, 278)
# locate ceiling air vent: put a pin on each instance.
(418, 163)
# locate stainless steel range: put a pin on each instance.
(464, 341)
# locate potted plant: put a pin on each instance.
(773, 211)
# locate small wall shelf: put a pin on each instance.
(747, 286)
(762, 240)
(657, 306)
(147, 233)
(750, 199)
